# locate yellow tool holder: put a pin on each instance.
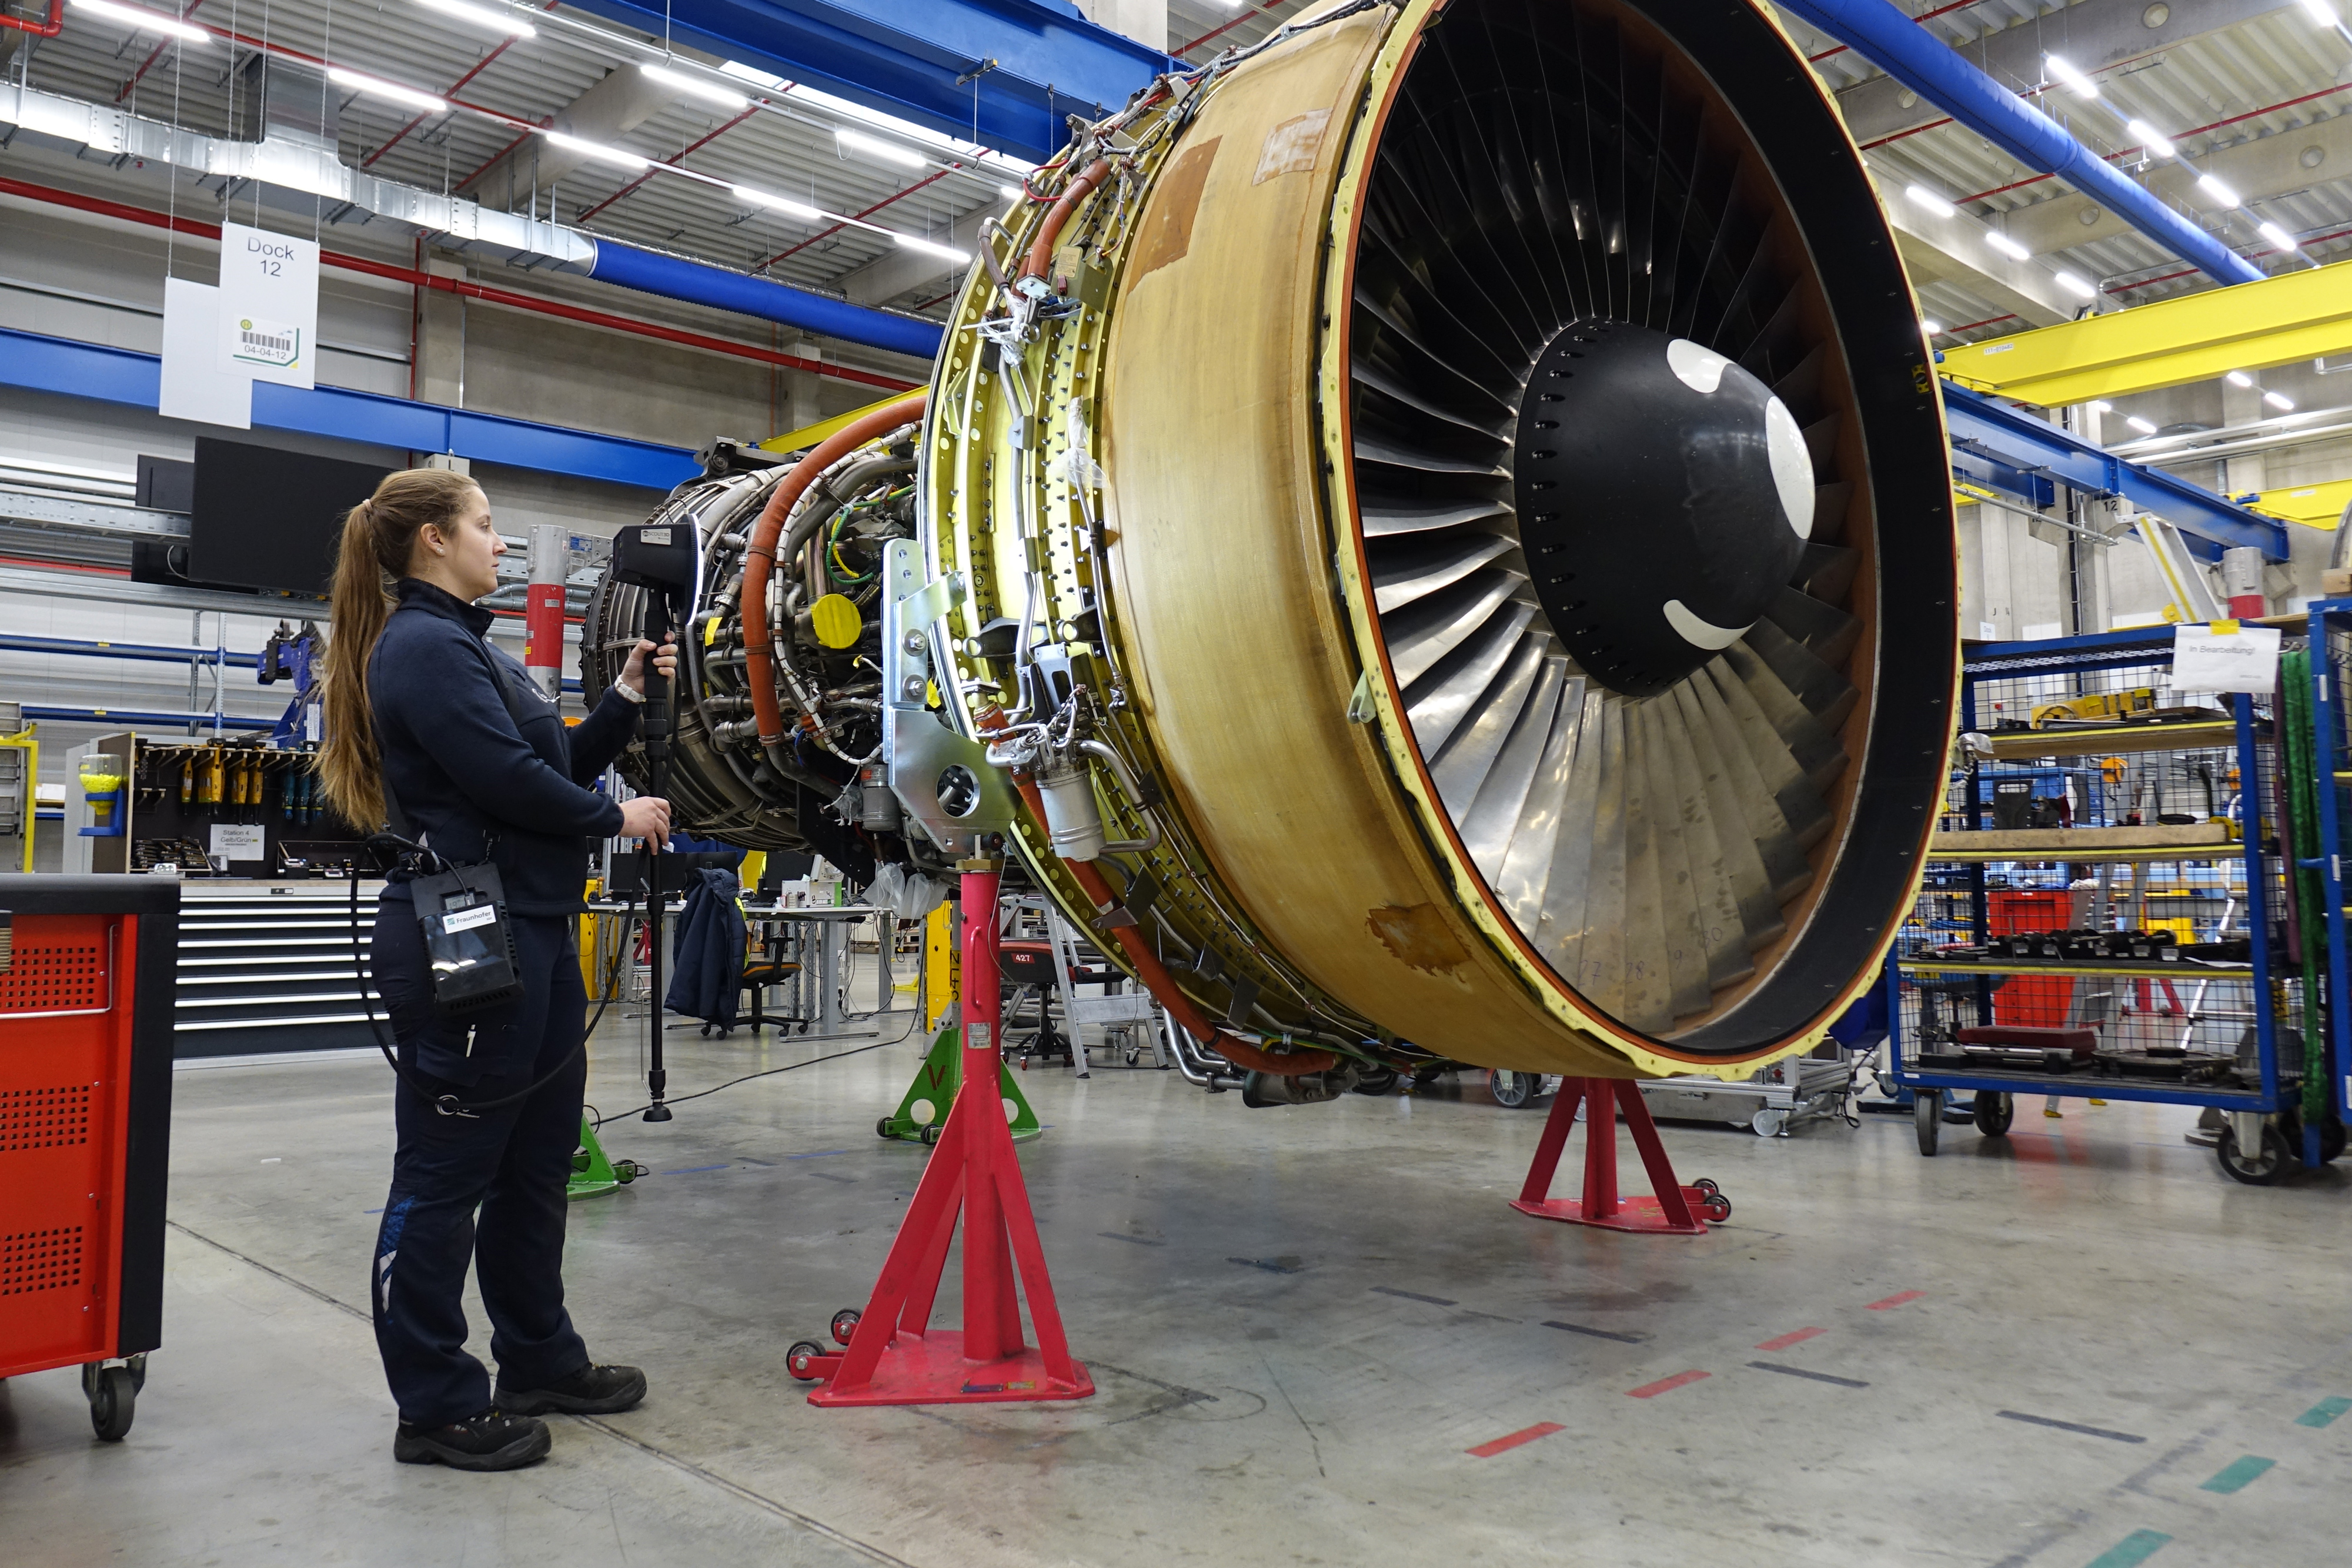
(23, 741)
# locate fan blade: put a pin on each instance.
(1477, 744)
(1668, 802)
(1428, 629)
(1363, 369)
(1377, 446)
(1830, 503)
(1387, 515)
(1769, 717)
(1646, 992)
(1820, 440)
(1711, 843)
(1825, 571)
(1551, 801)
(1585, 896)
(1748, 824)
(1824, 630)
(1421, 565)
(1440, 702)
(1827, 695)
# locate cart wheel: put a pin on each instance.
(1995, 1110)
(1717, 1207)
(138, 1366)
(1927, 1114)
(1511, 1090)
(2274, 1161)
(1768, 1121)
(844, 1324)
(800, 1361)
(882, 1127)
(930, 1135)
(1706, 1186)
(113, 1399)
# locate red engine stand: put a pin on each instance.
(894, 1357)
(1678, 1210)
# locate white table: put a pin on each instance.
(832, 949)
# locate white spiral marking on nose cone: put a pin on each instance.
(1701, 633)
(1792, 465)
(1701, 370)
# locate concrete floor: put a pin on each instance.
(1306, 1324)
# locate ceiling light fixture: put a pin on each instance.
(2218, 190)
(2101, 405)
(694, 86)
(2278, 237)
(2074, 285)
(146, 21)
(597, 151)
(875, 147)
(2280, 401)
(1933, 328)
(496, 18)
(2007, 246)
(1929, 199)
(2321, 12)
(778, 203)
(379, 87)
(932, 247)
(2150, 137)
(2076, 82)
(2239, 379)
(2137, 422)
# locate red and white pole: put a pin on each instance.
(2242, 581)
(543, 648)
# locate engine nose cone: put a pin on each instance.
(1665, 496)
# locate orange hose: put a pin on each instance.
(1162, 985)
(759, 558)
(1041, 250)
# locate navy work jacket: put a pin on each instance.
(463, 772)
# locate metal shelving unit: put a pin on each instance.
(2184, 1030)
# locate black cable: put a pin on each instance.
(449, 1105)
(769, 1073)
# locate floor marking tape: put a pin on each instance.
(1269, 1265)
(2070, 1426)
(1799, 1337)
(691, 1170)
(2137, 1547)
(1596, 1334)
(1138, 1241)
(1524, 1435)
(1415, 1296)
(1897, 1300)
(2234, 1476)
(2321, 1414)
(1664, 1384)
(1800, 1372)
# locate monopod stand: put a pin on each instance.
(657, 734)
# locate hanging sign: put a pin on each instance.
(194, 385)
(2225, 656)
(268, 306)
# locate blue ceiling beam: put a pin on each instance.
(71, 368)
(1039, 60)
(1989, 429)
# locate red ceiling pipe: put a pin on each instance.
(50, 29)
(483, 292)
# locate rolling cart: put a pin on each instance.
(86, 980)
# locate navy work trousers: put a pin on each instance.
(511, 1165)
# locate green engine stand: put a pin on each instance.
(593, 1174)
(924, 1108)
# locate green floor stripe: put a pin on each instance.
(2234, 1477)
(2321, 1414)
(2137, 1547)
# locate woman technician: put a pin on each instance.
(420, 708)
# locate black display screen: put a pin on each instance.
(265, 518)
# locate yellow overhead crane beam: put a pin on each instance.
(2314, 506)
(808, 436)
(2301, 315)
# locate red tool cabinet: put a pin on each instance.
(86, 985)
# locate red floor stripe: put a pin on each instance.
(1786, 1340)
(1503, 1444)
(1663, 1385)
(1897, 1300)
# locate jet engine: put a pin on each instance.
(1401, 542)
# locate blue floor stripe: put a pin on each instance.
(2234, 1477)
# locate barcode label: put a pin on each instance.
(277, 344)
(268, 341)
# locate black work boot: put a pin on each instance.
(494, 1440)
(592, 1391)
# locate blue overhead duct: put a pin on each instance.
(675, 278)
(2021, 455)
(1923, 63)
(1004, 73)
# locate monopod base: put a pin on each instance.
(1632, 1214)
(932, 1370)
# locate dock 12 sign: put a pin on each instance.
(268, 306)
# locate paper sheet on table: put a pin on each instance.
(194, 385)
(2244, 660)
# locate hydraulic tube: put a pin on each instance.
(1923, 63)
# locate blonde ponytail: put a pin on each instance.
(379, 537)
